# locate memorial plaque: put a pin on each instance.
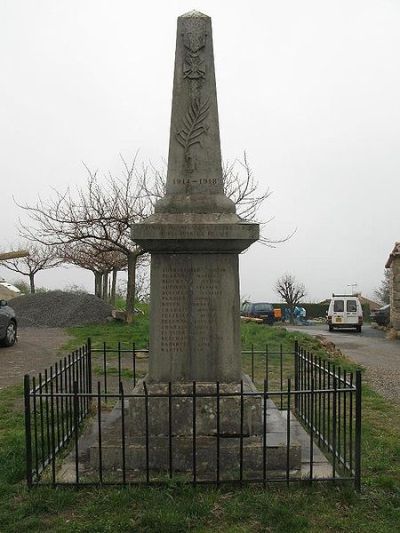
(194, 327)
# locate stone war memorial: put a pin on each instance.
(194, 238)
(194, 414)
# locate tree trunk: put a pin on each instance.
(291, 309)
(97, 283)
(105, 286)
(114, 286)
(32, 283)
(131, 286)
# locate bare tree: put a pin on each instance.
(291, 291)
(99, 214)
(383, 291)
(40, 257)
(91, 256)
(243, 189)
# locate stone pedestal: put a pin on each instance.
(194, 329)
(204, 410)
(186, 439)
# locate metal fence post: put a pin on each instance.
(89, 359)
(357, 443)
(296, 374)
(28, 433)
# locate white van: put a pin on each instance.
(345, 312)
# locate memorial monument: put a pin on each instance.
(194, 238)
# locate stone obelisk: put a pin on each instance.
(195, 236)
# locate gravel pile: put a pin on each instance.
(60, 309)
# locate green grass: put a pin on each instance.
(113, 332)
(179, 509)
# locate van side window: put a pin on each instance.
(338, 306)
(351, 306)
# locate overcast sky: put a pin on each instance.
(309, 89)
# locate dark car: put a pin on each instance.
(382, 315)
(262, 310)
(8, 324)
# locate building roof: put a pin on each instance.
(395, 253)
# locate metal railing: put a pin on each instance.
(308, 392)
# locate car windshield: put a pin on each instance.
(262, 308)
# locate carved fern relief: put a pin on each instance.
(193, 125)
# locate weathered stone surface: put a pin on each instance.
(179, 236)
(394, 264)
(194, 329)
(206, 455)
(195, 235)
(182, 410)
(194, 180)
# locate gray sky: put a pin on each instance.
(309, 89)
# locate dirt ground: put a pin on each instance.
(36, 349)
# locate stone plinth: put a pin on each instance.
(205, 410)
(178, 449)
(206, 456)
(194, 329)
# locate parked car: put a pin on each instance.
(262, 310)
(8, 324)
(345, 312)
(382, 315)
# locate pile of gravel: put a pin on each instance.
(60, 309)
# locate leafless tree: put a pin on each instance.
(291, 291)
(142, 283)
(91, 256)
(41, 257)
(383, 291)
(99, 214)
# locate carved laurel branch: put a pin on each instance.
(193, 124)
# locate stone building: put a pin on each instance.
(394, 264)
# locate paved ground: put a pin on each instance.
(380, 357)
(36, 349)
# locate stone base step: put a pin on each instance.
(206, 455)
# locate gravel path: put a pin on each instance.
(36, 349)
(379, 356)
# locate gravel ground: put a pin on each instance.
(36, 349)
(378, 355)
(57, 309)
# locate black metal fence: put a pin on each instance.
(316, 404)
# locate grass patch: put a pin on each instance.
(182, 509)
(113, 332)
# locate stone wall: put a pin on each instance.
(395, 294)
(394, 264)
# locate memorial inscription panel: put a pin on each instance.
(193, 313)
